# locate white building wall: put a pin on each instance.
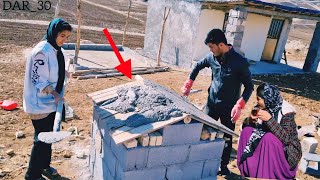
(209, 19)
(255, 35)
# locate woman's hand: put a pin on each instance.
(254, 118)
(264, 115)
(56, 97)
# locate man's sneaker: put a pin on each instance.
(50, 171)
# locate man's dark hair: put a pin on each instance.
(216, 36)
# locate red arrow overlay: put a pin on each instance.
(124, 67)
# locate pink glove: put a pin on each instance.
(236, 110)
(187, 87)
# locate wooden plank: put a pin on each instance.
(90, 95)
(144, 129)
(220, 134)
(131, 144)
(204, 134)
(104, 98)
(120, 130)
(212, 133)
(110, 93)
(153, 139)
(187, 119)
(144, 140)
(189, 108)
(159, 139)
(216, 126)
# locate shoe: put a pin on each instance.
(224, 171)
(50, 171)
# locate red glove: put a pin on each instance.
(236, 110)
(187, 87)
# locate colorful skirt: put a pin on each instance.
(268, 160)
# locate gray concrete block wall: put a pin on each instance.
(181, 133)
(235, 27)
(106, 172)
(210, 168)
(194, 159)
(135, 158)
(167, 155)
(157, 173)
(110, 160)
(180, 31)
(208, 150)
(186, 171)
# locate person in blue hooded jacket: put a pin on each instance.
(44, 77)
(229, 71)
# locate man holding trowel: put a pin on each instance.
(229, 71)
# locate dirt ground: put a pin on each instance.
(302, 91)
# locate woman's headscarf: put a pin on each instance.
(272, 99)
(57, 25)
(273, 103)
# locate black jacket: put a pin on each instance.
(227, 76)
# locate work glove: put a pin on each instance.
(236, 110)
(187, 87)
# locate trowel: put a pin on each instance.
(56, 135)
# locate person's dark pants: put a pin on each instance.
(222, 112)
(41, 152)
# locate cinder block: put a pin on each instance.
(105, 133)
(181, 133)
(94, 130)
(98, 167)
(210, 178)
(210, 168)
(186, 171)
(106, 172)
(206, 150)
(92, 157)
(110, 160)
(233, 13)
(135, 158)
(157, 173)
(167, 155)
(309, 144)
(239, 28)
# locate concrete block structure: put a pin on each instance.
(181, 154)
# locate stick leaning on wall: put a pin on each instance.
(165, 17)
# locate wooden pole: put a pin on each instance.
(165, 17)
(57, 11)
(78, 33)
(125, 28)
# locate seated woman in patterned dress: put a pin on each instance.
(269, 146)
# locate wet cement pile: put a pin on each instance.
(148, 104)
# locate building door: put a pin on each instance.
(272, 39)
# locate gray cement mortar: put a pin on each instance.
(148, 104)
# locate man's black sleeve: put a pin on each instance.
(201, 64)
(246, 80)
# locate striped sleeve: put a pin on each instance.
(284, 131)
